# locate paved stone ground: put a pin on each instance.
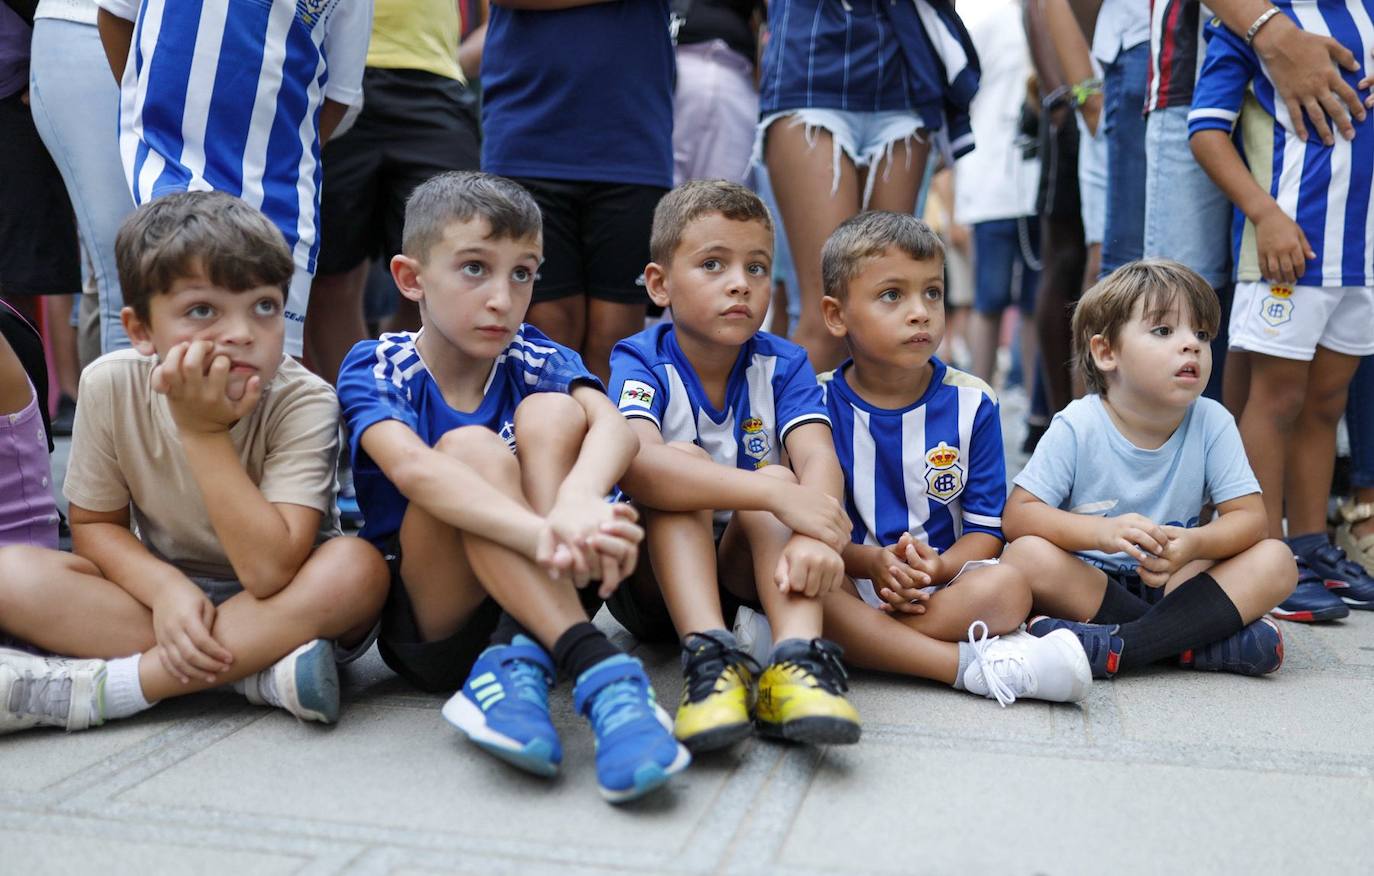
(1164, 771)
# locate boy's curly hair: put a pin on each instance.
(1158, 285)
(692, 200)
(212, 235)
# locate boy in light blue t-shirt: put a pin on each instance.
(1107, 515)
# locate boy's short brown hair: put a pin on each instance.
(1109, 305)
(692, 200)
(867, 236)
(198, 234)
(461, 196)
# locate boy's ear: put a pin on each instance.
(833, 313)
(139, 332)
(406, 272)
(656, 283)
(1104, 357)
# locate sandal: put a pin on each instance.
(1360, 549)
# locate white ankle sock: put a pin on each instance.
(123, 692)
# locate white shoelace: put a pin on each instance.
(997, 665)
(42, 695)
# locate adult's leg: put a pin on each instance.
(1059, 282)
(1359, 419)
(334, 321)
(817, 188)
(992, 290)
(608, 323)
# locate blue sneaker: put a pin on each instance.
(1343, 577)
(1256, 649)
(1100, 642)
(635, 748)
(1311, 600)
(503, 707)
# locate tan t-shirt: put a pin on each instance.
(125, 449)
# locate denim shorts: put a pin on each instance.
(1003, 273)
(866, 137)
(1092, 182)
(1123, 231)
(1187, 218)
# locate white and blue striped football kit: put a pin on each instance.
(771, 391)
(934, 469)
(1325, 189)
(386, 379)
(225, 95)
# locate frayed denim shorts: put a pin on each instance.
(865, 137)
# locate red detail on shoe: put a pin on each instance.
(1332, 584)
(1300, 616)
(1186, 658)
(1113, 658)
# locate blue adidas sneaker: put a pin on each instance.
(1100, 642)
(503, 707)
(635, 748)
(1344, 578)
(1311, 600)
(1256, 649)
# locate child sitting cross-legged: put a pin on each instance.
(1106, 518)
(925, 480)
(221, 450)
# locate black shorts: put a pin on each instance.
(1136, 587)
(596, 238)
(440, 666)
(39, 254)
(413, 125)
(647, 618)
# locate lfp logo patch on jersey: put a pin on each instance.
(755, 441)
(636, 392)
(944, 473)
(1277, 308)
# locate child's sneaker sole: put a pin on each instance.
(718, 737)
(819, 730)
(535, 756)
(648, 778)
(314, 680)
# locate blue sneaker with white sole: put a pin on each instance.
(503, 707)
(1311, 600)
(304, 683)
(1344, 578)
(1101, 644)
(635, 748)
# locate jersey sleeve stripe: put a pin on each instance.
(982, 520)
(641, 414)
(814, 417)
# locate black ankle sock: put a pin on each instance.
(1198, 612)
(580, 648)
(1119, 605)
(507, 628)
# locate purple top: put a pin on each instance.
(15, 37)
(28, 511)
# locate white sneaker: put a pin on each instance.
(49, 691)
(754, 634)
(304, 683)
(1018, 664)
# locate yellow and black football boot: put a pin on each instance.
(717, 694)
(801, 695)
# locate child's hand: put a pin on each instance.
(182, 619)
(197, 388)
(895, 582)
(1283, 248)
(1366, 83)
(808, 568)
(583, 533)
(615, 553)
(816, 514)
(1179, 551)
(1135, 535)
(920, 556)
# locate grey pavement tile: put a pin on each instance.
(899, 809)
(37, 852)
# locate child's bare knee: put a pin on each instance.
(1030, 551)
(1002, 595)
(476, 446)
(1280, 401)
(347, 574)
(545, 413)
(1277, 568)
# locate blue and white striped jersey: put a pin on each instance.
(872, 56)
(771, 391)
(934, 469)
(386, 379)
(1325, 189)
(225, 95)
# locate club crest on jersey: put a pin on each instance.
(1277, 308)
(636, 392)
(944, 473)
(756, 443)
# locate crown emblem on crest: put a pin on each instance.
(753, 424)
(1281, 291)
(942, 456)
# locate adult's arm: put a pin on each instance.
(1302, 67)
(1074, 56)
(116, 35)
(470, 52)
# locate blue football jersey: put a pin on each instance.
(386, 379)
(934, 469)
(771, 391)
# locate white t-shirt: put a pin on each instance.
(1121, 25)
(80, 11)
(994, 181)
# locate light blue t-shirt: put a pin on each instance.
(1085, 465)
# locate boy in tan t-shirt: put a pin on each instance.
(222, 451)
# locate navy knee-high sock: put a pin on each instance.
(1197, 613)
